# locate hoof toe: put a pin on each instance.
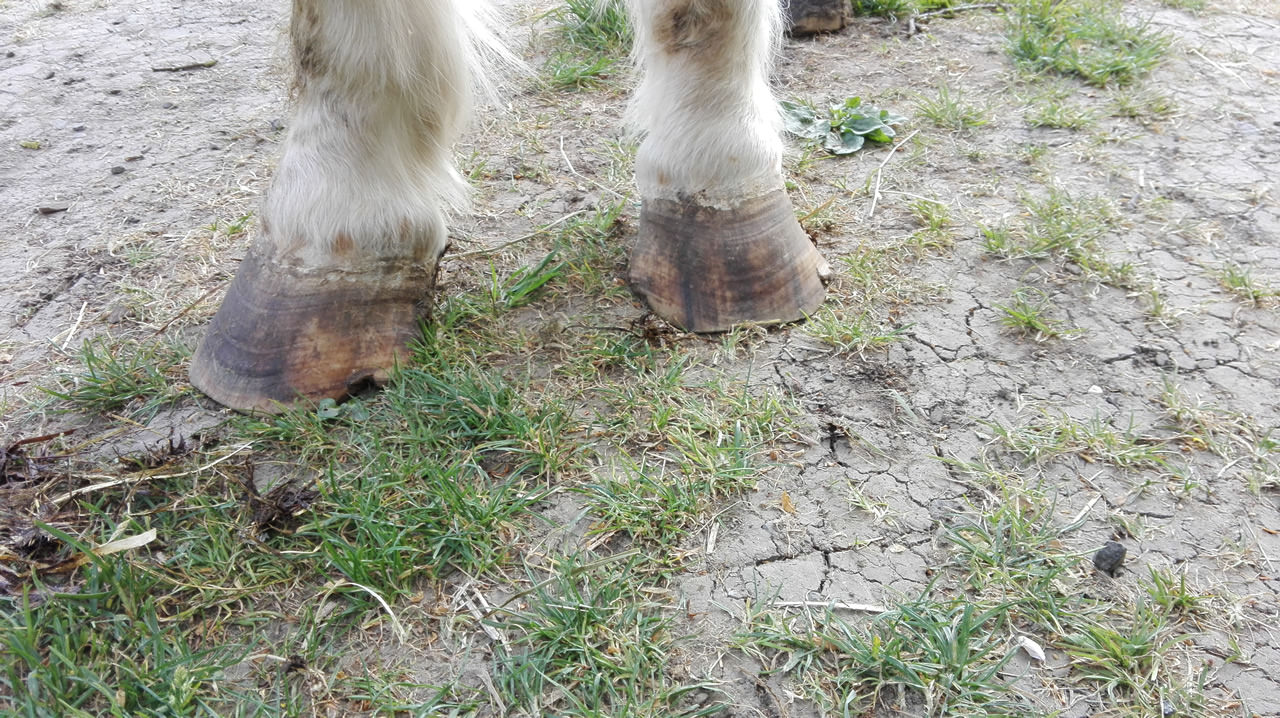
(708, 269)
(286, 335)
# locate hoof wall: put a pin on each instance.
(706, 269)
(286, 335)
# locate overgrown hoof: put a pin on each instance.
(708, 269)
(285, 334)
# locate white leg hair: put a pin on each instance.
(713, 133)
(383, 90)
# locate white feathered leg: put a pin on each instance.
(719, 243)
(354, 219)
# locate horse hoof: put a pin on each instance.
(707, 269)
(287, 334)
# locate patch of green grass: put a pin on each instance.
(1146, 106)
(596, 36)
(851, 332)
(1194, 6)
(129, 377)
(935, 216)
(884, 8)
(592, 641)
(1089, 39)
(1027, 313)
(1060, 115)
(1240, 281)
(401, 520)
(573, 71)
(104, 645)
(949, 110)
(520, 287)
(1249, 450)
(593, 254)
(1014, 549)
(1127, 662)
(1169, 592)
(1051, 436)
(945, 652)
(1068, 227)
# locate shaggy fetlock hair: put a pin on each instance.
(712, 126)
(383, 90)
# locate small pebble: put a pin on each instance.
(78, 128)
(169, 106)
(1110, 558)
(53, 208)
(48, 75)
(117, 170)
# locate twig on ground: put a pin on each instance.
(74, 327)
(875, 195)
(492, 250)
(184, 68)
(188, 308)
(833, 605)
(63, 498)
(584, 178)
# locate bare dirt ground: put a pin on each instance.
(134, 140)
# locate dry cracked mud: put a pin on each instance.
(135, 140)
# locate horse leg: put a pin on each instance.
(718, 241)
(353, 223)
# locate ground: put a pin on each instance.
(1054, 324)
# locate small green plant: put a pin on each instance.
(1027, 313)
(949, 111)
(1193, 6)
(851, 332)
(1126, 661)
(522, 286)
(884, 8)
(123, 375)
(1239, 280)
(1145, 106)
(843, 129)
(1170, 593)
(1060, 115)
(1094, 440)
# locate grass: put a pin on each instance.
(1240, 281)
(1027, 314)
(592, 642)
(540, 469)
(1049, 437)
(949, 110)
(121, 376)
(851, 332)
(943, 651)
(594, 37)
(1066, 227)
(1086, 39)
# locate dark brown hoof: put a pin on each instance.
(285, 334)
(708, 269)
(809, 17)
